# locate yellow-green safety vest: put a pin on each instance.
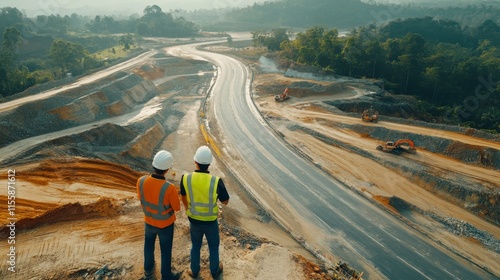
(201, 192)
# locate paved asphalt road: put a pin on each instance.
(361, 233)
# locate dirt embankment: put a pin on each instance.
(403, 110)
(121, 120)
(47, 178)
(454, 145)
(448, 190)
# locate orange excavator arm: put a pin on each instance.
(285, 93)
(407, 141)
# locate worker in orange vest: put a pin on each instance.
(159, 200)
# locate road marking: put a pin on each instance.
(209, 140)
(416, 269)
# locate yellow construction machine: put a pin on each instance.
(369, 115)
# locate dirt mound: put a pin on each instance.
(104, 207)
(61, 172)
(387, 202)
(82, 110)
(83, 170)
(399, 204)
(149, 72)
(144, 145)
(473, 154)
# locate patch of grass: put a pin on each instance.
(108, 54)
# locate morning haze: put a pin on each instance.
(116, 7)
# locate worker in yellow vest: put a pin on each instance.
(159, 200)
(200, 191)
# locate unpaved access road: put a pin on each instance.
(83, 81)
(315, 207)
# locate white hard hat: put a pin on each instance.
(163, 160)
(203, 155)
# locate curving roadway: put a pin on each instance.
(331, 219)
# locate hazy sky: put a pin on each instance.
(123, 7)
(128, 7)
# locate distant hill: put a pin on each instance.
(440, 3)
(115, 7)
(301, 13)
(340, 14)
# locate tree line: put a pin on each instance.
(46, 47)
(454, 68)
(340, 14)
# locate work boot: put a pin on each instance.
(192, 274)
(149, 275)
(219, 271)
(175, 276)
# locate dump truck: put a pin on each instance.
(369, 115)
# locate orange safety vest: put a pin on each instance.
(156, 199)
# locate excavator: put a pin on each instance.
(370, 115)
(401, 145)
(282, 97)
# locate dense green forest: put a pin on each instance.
(454, 68)
(45, 48)
(340, 14)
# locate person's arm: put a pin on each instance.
(222, 193)
(138, 189)
(185, 202)
(183, 193)
(174, 198)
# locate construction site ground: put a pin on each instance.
(76, 158)
(448, 190)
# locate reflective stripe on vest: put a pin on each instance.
(160, 208)
(205, 211)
